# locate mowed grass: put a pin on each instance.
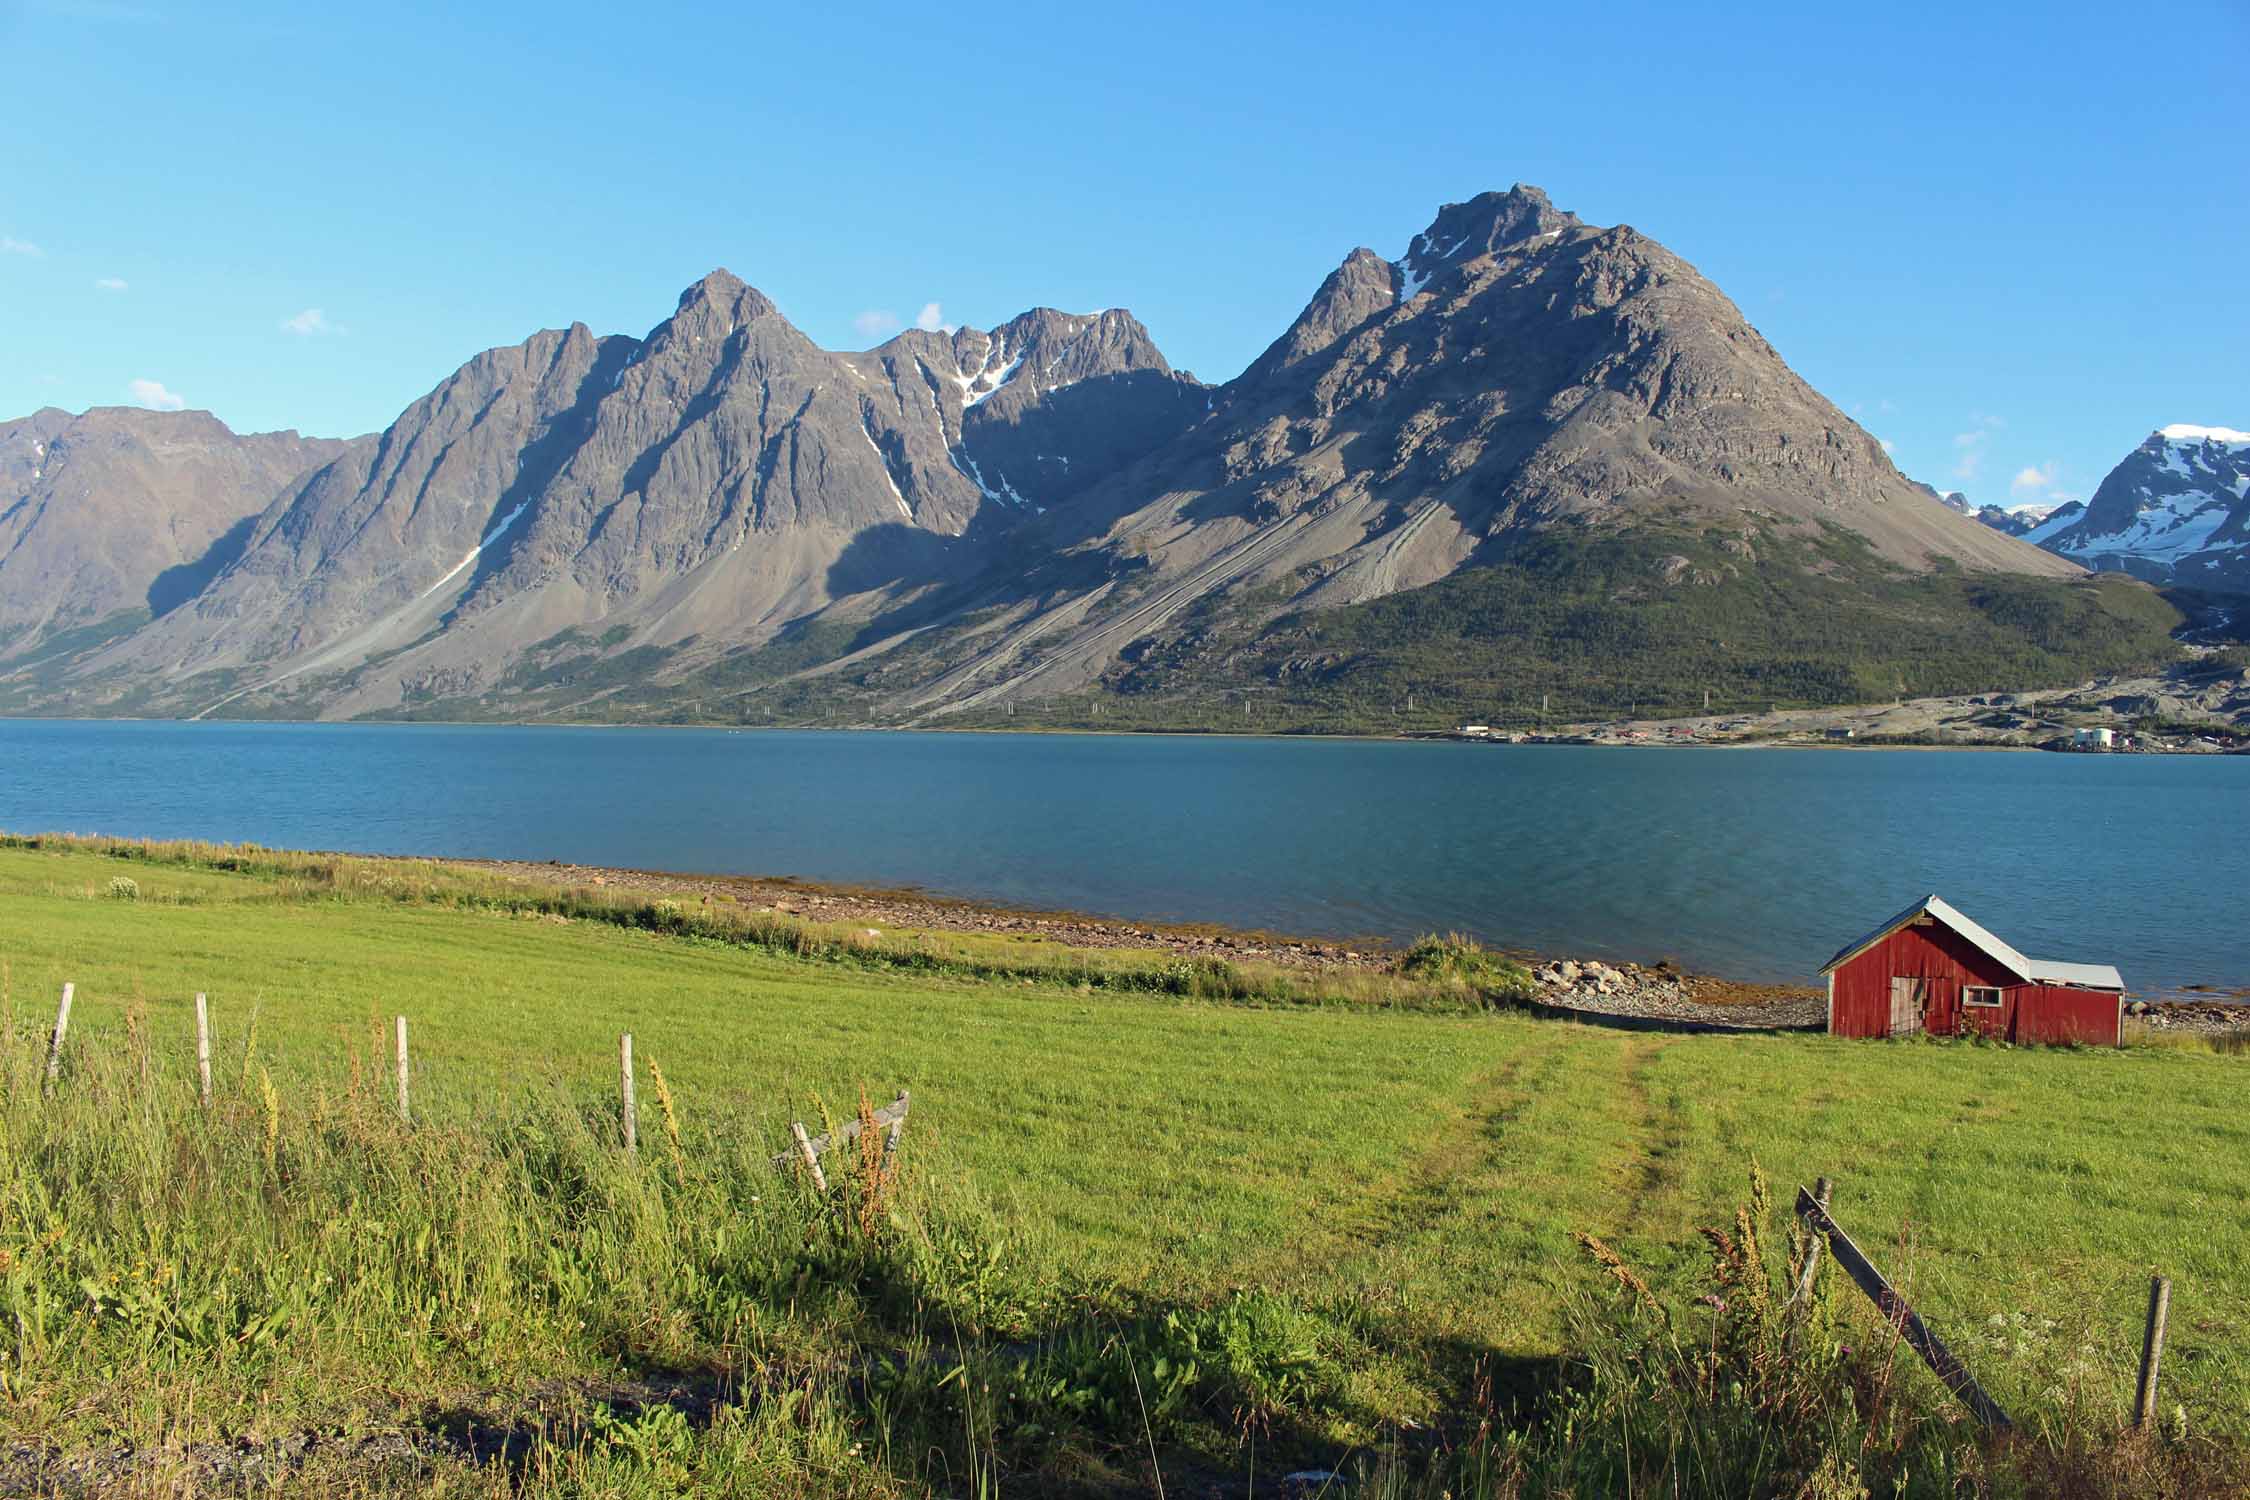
(1425, 1170)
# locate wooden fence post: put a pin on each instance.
(2152, 1350)
(54, 1043)
(405, 1114)
(891, 1116)
(1918, 1336)
(898, 1125)
(627, 1111)
(203, 1045)
(1820, 1190)
(810, 1157)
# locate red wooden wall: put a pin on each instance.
(2030, 1013)
(2058, 1013)
(1935, 953)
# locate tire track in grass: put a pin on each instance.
(1652, 1218)
(1658, 1125)
(1474, 1235)
(1375, 1230)
(1469, 1239)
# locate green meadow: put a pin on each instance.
(1174, 1220)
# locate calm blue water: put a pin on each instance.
(1754, 863)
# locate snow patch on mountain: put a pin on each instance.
(868, 433)
(2177, 526)
(2188, 431)
(2178, 506)
(477, 551)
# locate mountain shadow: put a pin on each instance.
(181, 582)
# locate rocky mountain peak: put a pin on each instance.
(2176, 509)
(1486, 223)
(118, 511)
(1078, 346)
(1364, 285)
(724, 296)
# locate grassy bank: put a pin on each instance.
(1230, 1218)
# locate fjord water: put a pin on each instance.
(1751, 863)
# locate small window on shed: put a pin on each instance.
(1980, 994)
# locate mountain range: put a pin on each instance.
(2175, 510)
(1528, 454)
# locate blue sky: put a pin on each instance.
(2009, 240)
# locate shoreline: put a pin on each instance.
(1660, 995)
(1596, 988)
(1607, 734)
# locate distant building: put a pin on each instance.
(1474, 729)
(2093, 739)
(1842, 734)
(1932, 969)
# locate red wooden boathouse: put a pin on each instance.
(1932, 969)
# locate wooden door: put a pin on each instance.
(1909, 999)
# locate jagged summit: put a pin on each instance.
(1364, 285)
(718, 283)
(725, 297)
(2194, 433)
(2174, 510)
(1487, 223)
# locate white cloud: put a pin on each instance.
(152, 394)
(2031, 479)
(1890, 449)
(931, 319)
(311, 323)
(1969, 446)
(877, 323)
(110, 284)
(10, 245)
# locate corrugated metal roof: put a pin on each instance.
(1999, 952)
(2090, 976)
(2029, 970)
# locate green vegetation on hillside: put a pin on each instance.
(1195, 1212)
(1591, 624)
(1598, 625)
(1664, 620)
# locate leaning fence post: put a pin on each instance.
(1903, 1319)
(629, 1115)
(811, 1157)
(203, 1045)
(405, 1114)
(1820, 1190)
(898, 1125)
(54, 1043)
(2152, 1350)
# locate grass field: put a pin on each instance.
(1393, 1182)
